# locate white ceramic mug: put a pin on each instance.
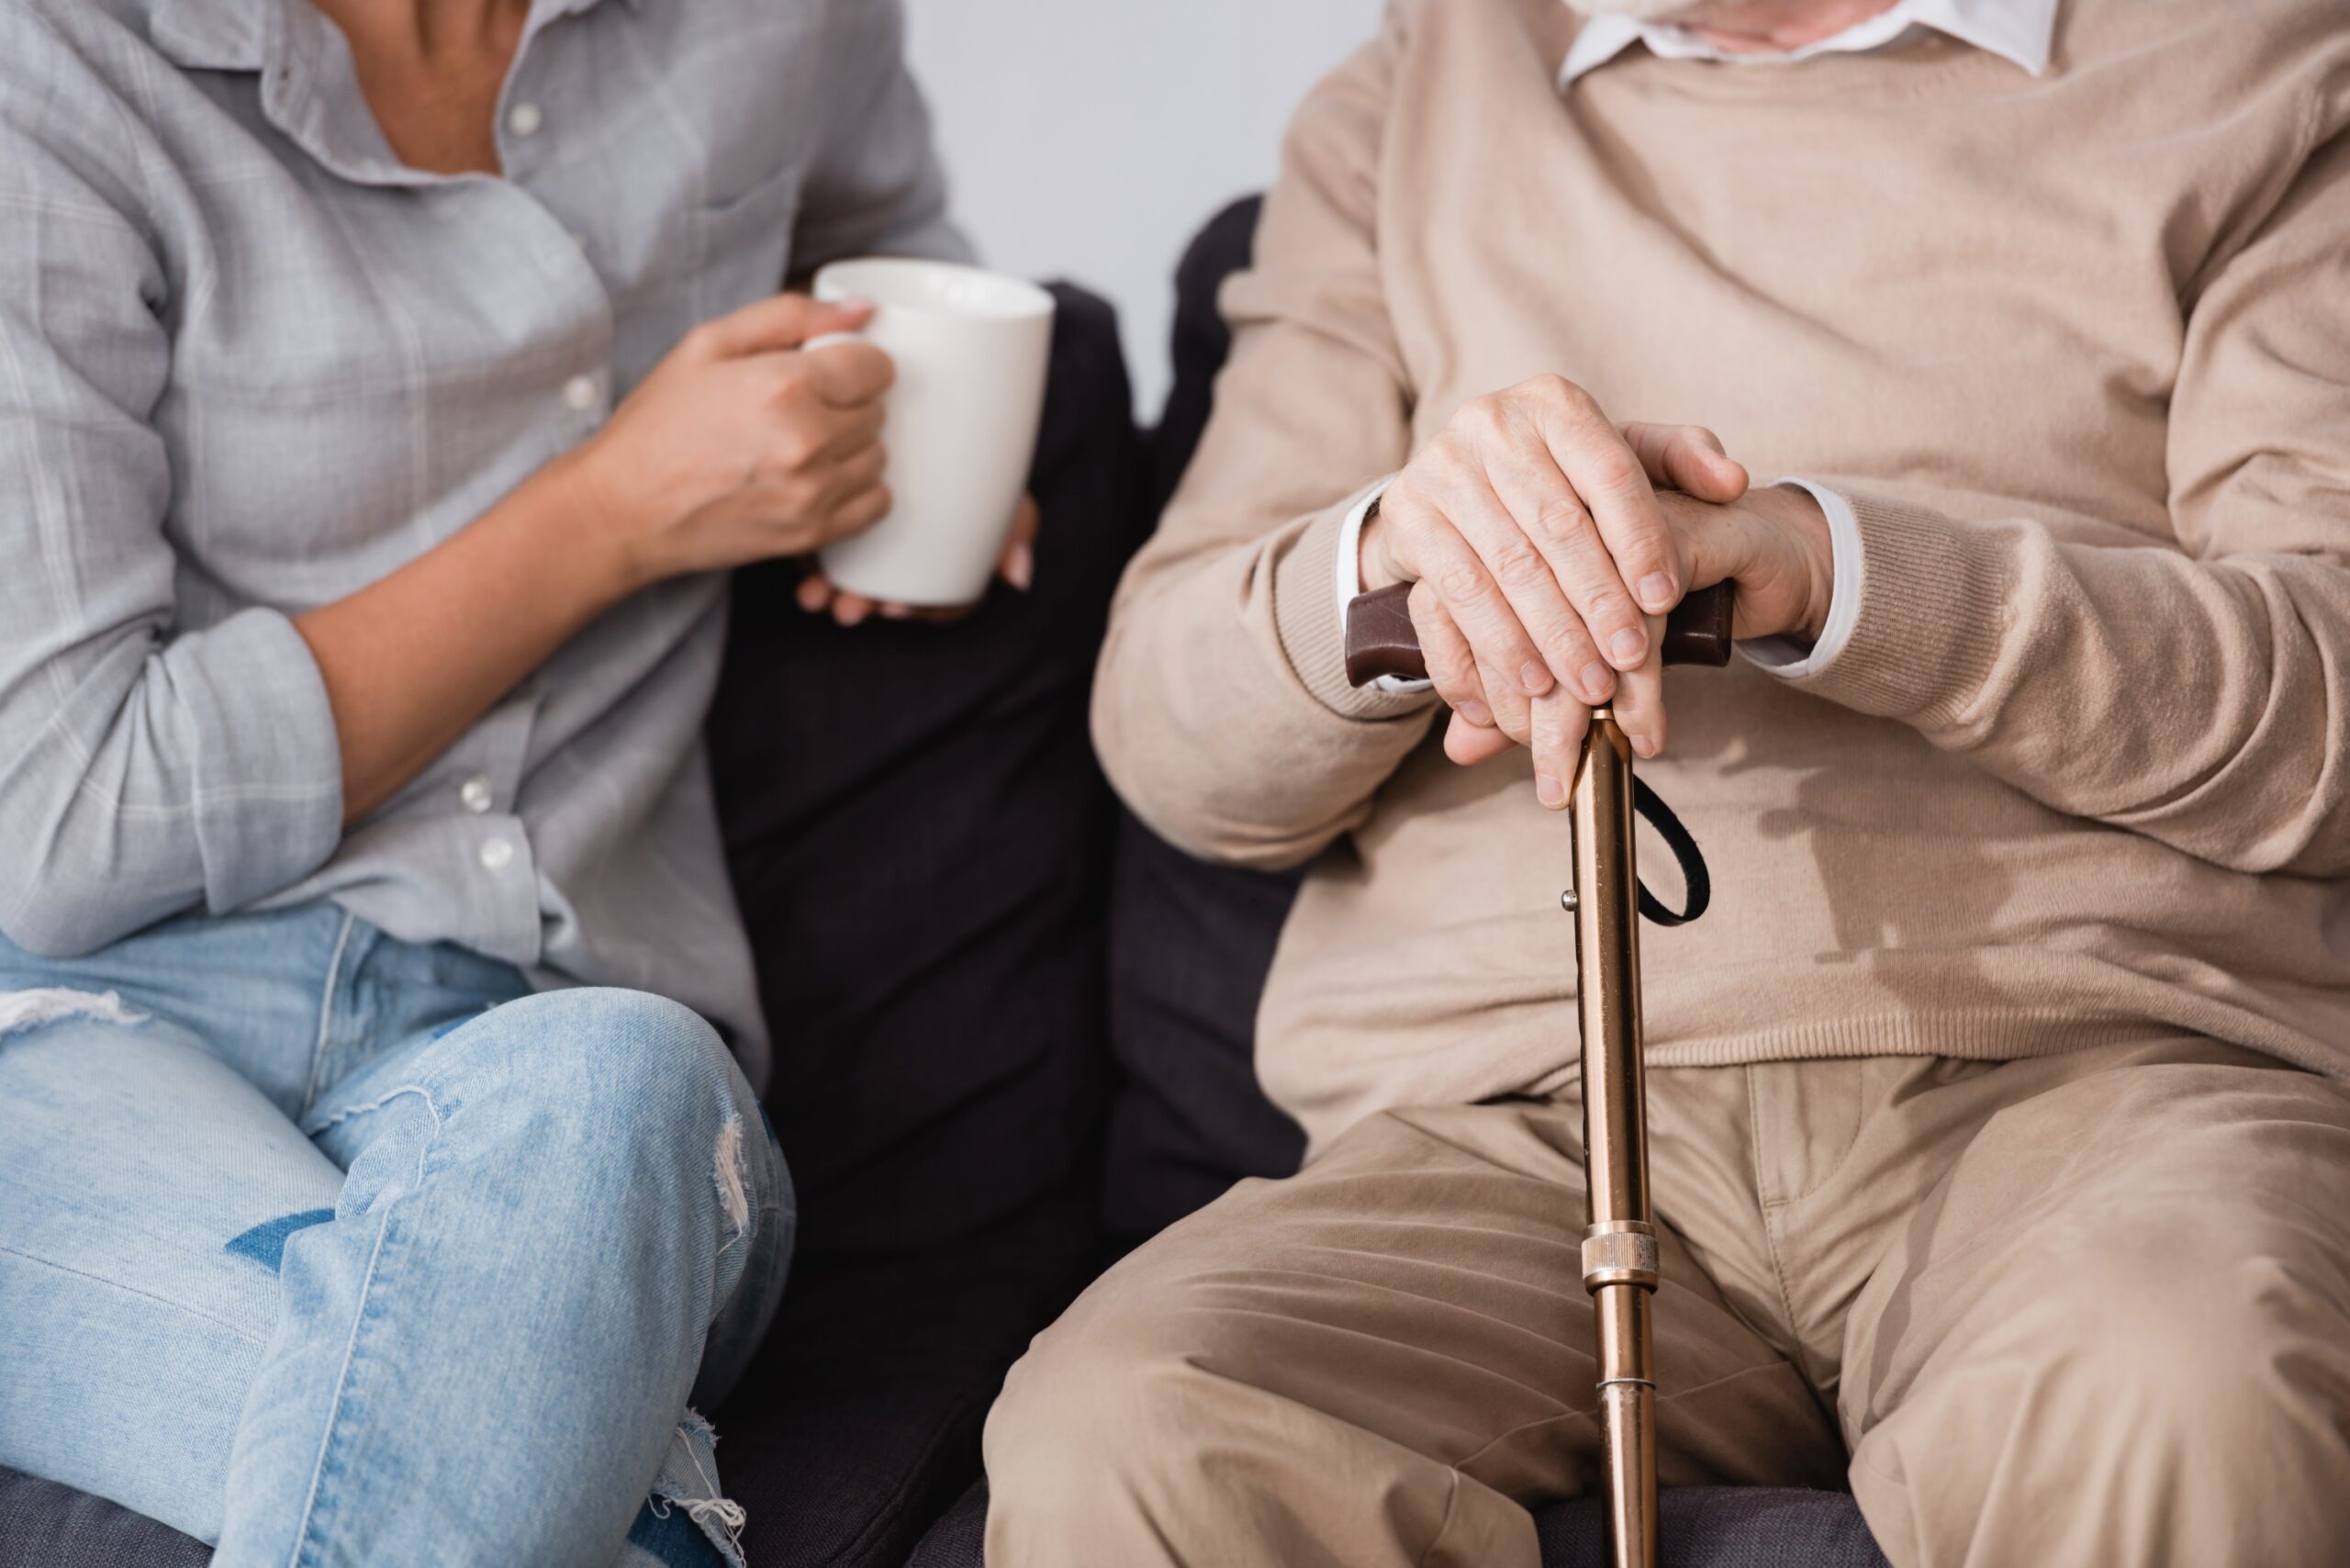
(970, 348)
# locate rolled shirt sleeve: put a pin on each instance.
(145, 766)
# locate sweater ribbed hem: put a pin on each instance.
(1306, 609)
(1933, 612)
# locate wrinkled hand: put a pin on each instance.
(1017, 565)
(1546, 558)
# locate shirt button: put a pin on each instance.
(579, 393)
(496, 854)
(477, 794)
(524, 119)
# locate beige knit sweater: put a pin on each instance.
(2076, 348)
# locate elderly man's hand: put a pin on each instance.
(1547, 556)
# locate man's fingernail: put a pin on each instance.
(1477, 713)
(1643, 746)
(1534, 678)
(1598, 681)
(1627, 645)
(1020, 568)
(1549, 791)
(1656, 591)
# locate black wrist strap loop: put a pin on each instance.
(1645, 801)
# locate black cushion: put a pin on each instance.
(1697, 1526)
(920, 841)
(1189, 943)
(860, 1421)
(43, 1525)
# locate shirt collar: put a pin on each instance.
(2017, 31)
(238, 35)
(310, 88)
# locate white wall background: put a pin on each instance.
(1089, 138)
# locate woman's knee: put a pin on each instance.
(602, 1072)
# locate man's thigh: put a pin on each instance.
(146, 1192)
(1405, 1320)
(2117, 1327)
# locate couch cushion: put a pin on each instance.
(1189, 943)
(1698, 1527)
(919, 839)
(43, 1525)
(1189, 947)
(860, 1421)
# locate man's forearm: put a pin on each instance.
(2202, 703)
(1204, 720)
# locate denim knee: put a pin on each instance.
(614, 1070)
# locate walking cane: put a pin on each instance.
(1620, 1251)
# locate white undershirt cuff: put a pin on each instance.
(1785, 656)
(1349, 576)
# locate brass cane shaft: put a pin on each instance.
(1619, 1246)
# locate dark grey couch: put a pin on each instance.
(957, 1187)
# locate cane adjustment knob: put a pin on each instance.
(1620, 1253)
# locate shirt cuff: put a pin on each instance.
(1349, 577)
(266, 784)
(1312, 627)
(1789, 659)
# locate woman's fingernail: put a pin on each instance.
(1598, 682)
(896, 611)
(1656, 592)
(1477, 713)
(1549, 791)
(1534, 678)
(1020, 568)
(1628, 646)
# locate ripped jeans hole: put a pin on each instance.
(727, 1172)
(30, 1009)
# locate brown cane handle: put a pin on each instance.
(1381, 639)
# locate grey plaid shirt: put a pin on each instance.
(250, 363)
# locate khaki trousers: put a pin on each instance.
(2082, 1310)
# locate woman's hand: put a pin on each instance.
(740, 446)
(1547, 559)
(1016, 565)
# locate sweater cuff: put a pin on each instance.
(266, 774)
(1312, 633)
(1932, 616)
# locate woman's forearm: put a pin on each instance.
(412, 660)
(736, 448)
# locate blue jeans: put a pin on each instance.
(331, 1248)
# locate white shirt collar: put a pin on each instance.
(2018, 31)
